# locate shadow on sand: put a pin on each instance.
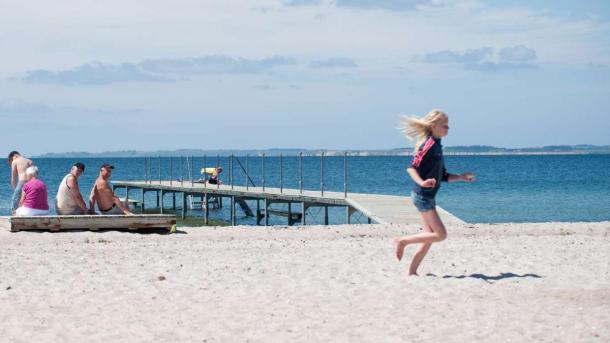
(489, 278)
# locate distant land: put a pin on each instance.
(449, 150)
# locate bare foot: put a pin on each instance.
(400, 247)
(413, 274)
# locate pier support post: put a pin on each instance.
(174, 201)
(233, 210)
(142, 202)
(158, 198)
(206, 209)
(266, 203)
(289, 214)
(303, 210)
(184, 195)
(325, 215)
(258, 211)
(161, 200)
(348, 215)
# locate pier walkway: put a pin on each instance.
(382, 209)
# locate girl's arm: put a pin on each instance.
(466, 177)
(429, 183)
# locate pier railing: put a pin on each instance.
(166, 167)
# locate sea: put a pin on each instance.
(508, 188)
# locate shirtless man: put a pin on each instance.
(69, 200)
(102, 194)
(18, 165)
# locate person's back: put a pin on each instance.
(69, 200)
(35, 195)
(20, 164)
(66, 204)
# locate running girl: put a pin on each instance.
(427, 171)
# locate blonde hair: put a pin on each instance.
(418, 129)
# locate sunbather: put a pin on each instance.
(214, 175)
(102, 194)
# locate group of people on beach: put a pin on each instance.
(30, 196)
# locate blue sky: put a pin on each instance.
(336, 74)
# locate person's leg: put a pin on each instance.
(113, 211)
(36, 212)
(420, 254)
(17, 194)
(29, 212)
(438, 233)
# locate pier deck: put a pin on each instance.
(383, 209)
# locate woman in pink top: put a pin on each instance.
(34, 199)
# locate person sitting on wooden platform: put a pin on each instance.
(33, 196)
(102, 194)
(69, 201)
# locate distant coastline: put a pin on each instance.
(449, 150)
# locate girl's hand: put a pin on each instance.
(428, 183)
(468, 177)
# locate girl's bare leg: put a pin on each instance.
(438, 233)
(420, 254)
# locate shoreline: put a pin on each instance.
(500, 282)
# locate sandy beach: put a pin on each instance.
(546, 282)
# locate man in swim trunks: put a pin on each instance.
(18, 165)
(102, 194)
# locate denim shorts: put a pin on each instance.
(422, 203)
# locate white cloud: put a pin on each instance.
(341, 62)
(155, 70)
(483, 59)
(518, 54)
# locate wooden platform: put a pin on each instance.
(89, 222)
(383, 209)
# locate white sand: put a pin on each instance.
(497, 283)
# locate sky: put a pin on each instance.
(313, 74)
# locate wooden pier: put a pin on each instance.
(382, 209)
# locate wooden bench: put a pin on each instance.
(88, 222)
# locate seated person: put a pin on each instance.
(102, 194)
(33, 200)
(69, 201)
(214, 174)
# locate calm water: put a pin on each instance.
(508, 188)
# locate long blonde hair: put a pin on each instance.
(418, 129)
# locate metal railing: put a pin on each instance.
(186, 172)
